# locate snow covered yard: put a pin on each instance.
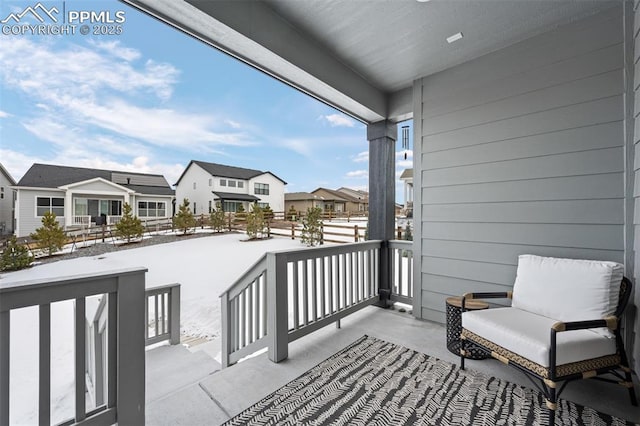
(204, 267)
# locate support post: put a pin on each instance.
(174, 315)
(277, 311)
(382, 193)
(226, 329)
(131, 359)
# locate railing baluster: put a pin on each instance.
(263, 281)
(344, 280)
(361, 284)
(352, 275)
(305, 293)
(410, 275)
(80, 334)
(146, 317)
(330, 283)
(256, 317)
(233, 341)
(155, 313)
(112, 344)
(314, 286)
(399, 285)
(44, 373)
(323, 307)
(250, 313)
(242, 323)
(296, 302)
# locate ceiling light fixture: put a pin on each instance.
(454, 37)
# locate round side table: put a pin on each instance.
(454, 325)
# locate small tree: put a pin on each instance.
(50, 236)
(240, 215)
(217, 218)
(14, 256)
(292, 213)
(408, 236)
(256, 225)
(184, 219)
(312, 227)
(129, 226)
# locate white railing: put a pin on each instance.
(287, 295)
(162, 313)
(82, 220)
(123, 400)
(401, 263)
(113, 220)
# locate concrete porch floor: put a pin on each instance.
(183, 388)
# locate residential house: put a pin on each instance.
(80, 197)
(7, 201)
(407, 178)
(341, 202)
(207, 184)
(362, 196)
(301, 201)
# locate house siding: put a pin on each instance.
(632, 27)
(520, 151)
(6, 205)
(276, 191)
(27, 221)
(202, 194)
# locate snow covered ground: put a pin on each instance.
(205, 267)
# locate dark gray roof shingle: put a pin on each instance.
(221, 170)
(53, 176)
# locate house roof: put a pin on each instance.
(357, 193)
(7, 175)
(407, 174)
(232, 196)
(54, 176)
(301, 196)
(221, 170)
(337, 195)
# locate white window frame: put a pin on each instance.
(146, 209)
(51, 198)
(261, 188)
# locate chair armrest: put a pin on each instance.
(486, 295)
(610, 322)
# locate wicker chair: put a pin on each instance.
(551, 332)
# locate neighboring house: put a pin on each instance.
(7, 202)
(206, 184)
(80, 196)
(407, 178)
(341, 202)
(362, 196)
(301, 201)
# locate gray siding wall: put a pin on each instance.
(633, 39)
(520, 151)
(26, 217)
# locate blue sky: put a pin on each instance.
(152, 98)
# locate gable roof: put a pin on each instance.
(221, 170)
(407, 174)
(54, 176)
(337, 195)
(7, 175)
(301, 196)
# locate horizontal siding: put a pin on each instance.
(521, 151)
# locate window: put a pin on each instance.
(263, 205)
(49, 204)
(223, 182)
(231, 206)
(240, 184)
(232, 184)
(194, 185)
(151, 209)
(210, 182)
(261, 189)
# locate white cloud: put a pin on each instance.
(4, 114)
(361, 157)
(232, 124)
(358, 174)
(404, 164)
(114, 48)
(300, 146)
(338, 120)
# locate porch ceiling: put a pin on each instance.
(362, 56)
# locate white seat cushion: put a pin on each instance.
(567, 289)
(527, 334)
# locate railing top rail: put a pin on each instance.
(161, 288)
(400, 244)
(7, 287)
(260, 265)
(312, 252)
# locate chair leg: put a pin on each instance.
(624, 362)
(552, 401)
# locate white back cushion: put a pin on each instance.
(567, 289)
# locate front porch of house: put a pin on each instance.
(213, 398)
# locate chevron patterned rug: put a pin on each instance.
(373, 382)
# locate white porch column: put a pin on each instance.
(68, 208)
(382, 193)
